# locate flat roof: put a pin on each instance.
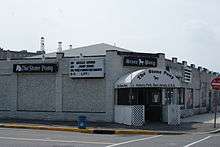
(91, 50)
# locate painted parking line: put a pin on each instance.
(131, 141)
(188, 145)
(56, 140)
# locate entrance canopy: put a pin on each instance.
(152, 77)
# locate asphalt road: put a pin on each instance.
(42, 138)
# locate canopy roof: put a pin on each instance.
(152, 77)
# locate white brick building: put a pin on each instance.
(58, 90)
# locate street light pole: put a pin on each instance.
(216, 107)
(215, 116)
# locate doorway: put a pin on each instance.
(153, 104)
(151, 98)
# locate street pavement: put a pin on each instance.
(10, 137)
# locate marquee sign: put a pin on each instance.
(140, 61)
(152, 77)
(35, 68)
(86, 68)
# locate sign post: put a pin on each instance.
(215, 114)
(216, 86)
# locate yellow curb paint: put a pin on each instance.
(50, 128)
(89, 131)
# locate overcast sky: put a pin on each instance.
(187, 29)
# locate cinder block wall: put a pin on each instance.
(50, 96)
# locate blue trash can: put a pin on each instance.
(82, 122)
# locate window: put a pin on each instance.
(127, 96)
(123, 96)
(167, 68)
(156, 98)
(181, 96)
(203, 102)
(189, 102)
(168, 96)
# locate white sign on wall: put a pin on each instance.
(86, 68)
(187, 74)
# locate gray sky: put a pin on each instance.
(187, 29)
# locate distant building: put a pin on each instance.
(4, 54)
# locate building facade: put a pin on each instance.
(93, 80)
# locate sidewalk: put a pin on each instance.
(207, 118)
(195, 124)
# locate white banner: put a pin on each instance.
(86, 68)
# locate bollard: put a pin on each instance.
(82, 122)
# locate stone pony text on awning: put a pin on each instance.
(151, 77)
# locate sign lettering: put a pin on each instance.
(35, 68)
(86, 68)
(140, 61)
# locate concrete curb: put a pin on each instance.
(92, 130)
(215, 131)
(136, 132)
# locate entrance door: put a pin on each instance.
(153, 105)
